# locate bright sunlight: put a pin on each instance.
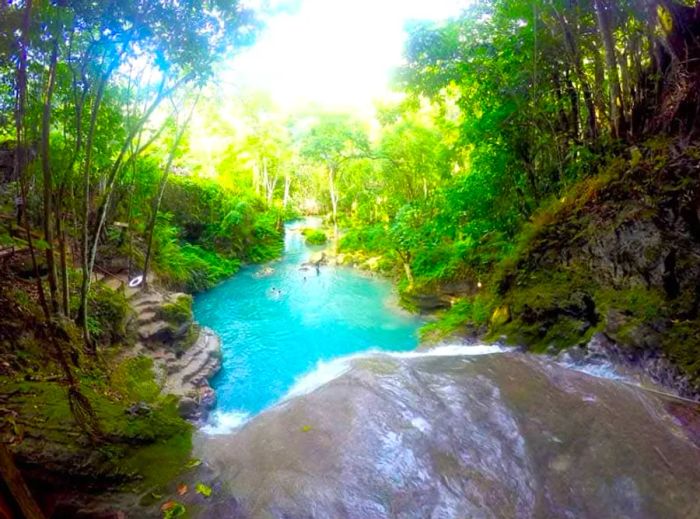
(334, 54)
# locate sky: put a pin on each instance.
(336, 54)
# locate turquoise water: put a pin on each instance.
(278, 321)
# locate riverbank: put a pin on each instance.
(185, 355)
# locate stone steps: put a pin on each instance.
(184, 374)
(154, 330)
(146, 317)
(199, 363)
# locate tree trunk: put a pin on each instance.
(81, 318)
(159, 195)
(287, 186)
(116, 167)
(409, 273)
(334, 204)
(48, 180)
(17, 486)
(575, 110)
(592, 123)
(270, 183)
(65, 288)
(20, 154)
(256, 178)
(616, 102)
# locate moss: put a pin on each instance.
(500, 316)
(108, 313)
(643, 303)
(134, 379)
(471, 312)
(315, 236)
(159, 462)
(681, 344)
(43, 414)
(177, 312)
(188, 340)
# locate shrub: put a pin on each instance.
(315, 236)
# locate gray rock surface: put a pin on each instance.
(498, 436)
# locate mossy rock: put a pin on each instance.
(177, 312)
(315, 236)
(108, 315)
(500, 316)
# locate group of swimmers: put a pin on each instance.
(276, 293)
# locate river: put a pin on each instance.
(280, 321)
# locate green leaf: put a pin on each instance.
(203, 489)
(172, 509)
(41, 244)
(306, 428)
(194, 462)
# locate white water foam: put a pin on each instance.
(451, 350)
(222, 422)
(326, 371)
(600, 370)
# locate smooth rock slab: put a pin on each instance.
(498, 436)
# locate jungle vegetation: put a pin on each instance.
(120, 153)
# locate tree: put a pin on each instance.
(92, 52)
(334, 140)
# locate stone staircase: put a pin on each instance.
(185, 355)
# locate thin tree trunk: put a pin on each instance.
(17, 486)
(256, 178)
(334, 204)
(116, 167)
(409, 274)
(616, 102)
(581, 76)
(287, 186)
(159, 195)
(61, 233)
(20, 153)
(48, 181)
(59, 206)
(85, 284)
(575, 109)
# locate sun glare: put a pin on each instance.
(335, 54)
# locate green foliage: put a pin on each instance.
(370, 238)
(108, 315)
(174, 510)
(315, 236)
(177, 312)
(468, 315)
(205, 231)
(186, 266)
(203, 489)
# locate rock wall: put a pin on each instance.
(620, 256)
